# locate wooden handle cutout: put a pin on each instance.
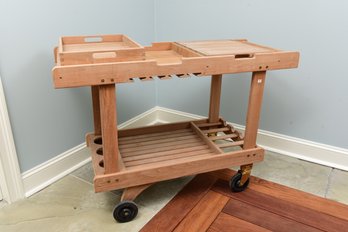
(243, 56)
(93, 39)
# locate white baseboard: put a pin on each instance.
(319, 153)
(56, 168)
(45, 174)
(11, 188)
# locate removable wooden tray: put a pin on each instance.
(97, 49)
(147, 150)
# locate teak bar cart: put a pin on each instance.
(133, 159)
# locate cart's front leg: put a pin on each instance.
(241, 180)
(108, 119)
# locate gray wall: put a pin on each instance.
(45, 121)
(309, 102)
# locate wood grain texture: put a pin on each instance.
(96, 110)
(129, 194)
(215, 94)
(225, 47)
(122, 72)
(264, 218)
(254, 109)
(170, 169)
(251, 210)
(107, 97)
(203, 214)
(180, 205)
(172, 134)
(282, 192)
(292, 210)
(206, 140)
(163, 148)
(227, 223)
(153, 129)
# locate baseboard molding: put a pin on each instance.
(61, 165)
(47, 173)
(10, 177)
(295, 147)
(54, 169)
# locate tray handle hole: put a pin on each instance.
(243, 56)
(96, 39)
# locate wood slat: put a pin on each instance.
(285, 208)
(175, 157)
(211, 144)
(208, 124)
(158, 137)
(227, 223)
(292, 195)
(220, 137)
(180, 205)
(264, 218)
(203, 214)
(156, 128)
(158, 141)
(231, 144)
(224, 47)
(164, 153)
(160, 145)
(159, 149)
(215, 130)
(122, 139)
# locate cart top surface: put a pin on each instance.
(225, 47)
(106, 59)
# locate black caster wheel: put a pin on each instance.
(234, 183)
(125, 211)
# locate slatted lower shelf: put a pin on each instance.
(169, 145)
(159, 147)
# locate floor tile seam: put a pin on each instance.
(81, 179)
(89, 183)
(329, 181)
(44, 218)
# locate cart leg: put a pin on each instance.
(129, 194)
(96, 110)
(215, 94)
(252, 123)
(127, 210)
(108, 116)
(245, 170)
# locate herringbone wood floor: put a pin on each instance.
(207, 204)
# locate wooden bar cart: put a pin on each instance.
(133, 159)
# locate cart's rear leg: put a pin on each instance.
(127, 210)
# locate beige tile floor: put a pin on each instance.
(71, 204)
